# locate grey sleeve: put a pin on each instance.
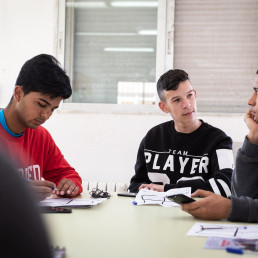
(245, 176)
(244, 209)
(244, 186)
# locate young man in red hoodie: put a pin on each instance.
(40, 87)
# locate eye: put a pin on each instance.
(190, 95)
(41, 105)
(176, 100)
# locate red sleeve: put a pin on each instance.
(55, 165)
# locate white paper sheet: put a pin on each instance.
(146, 196)
(68, 202)
(224, 230)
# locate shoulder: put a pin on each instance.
(157, 132)
(212, 129)
(215, 136)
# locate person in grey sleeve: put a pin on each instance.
(243, 204)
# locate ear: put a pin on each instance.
(163, 107)
(18, 93)
(195, 93)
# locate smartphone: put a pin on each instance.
(180, 198)
(44, 209)
(126, 194)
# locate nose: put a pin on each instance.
(252, 100)
(46, 114)
(186, 103)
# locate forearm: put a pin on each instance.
(138, 179)
(219, 186)
(57, 168)
(134, 187)
(194, 184)
(141, 173)
(244, 179)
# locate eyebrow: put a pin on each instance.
(179, 97)
(47, 103)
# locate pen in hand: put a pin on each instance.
(29, 181)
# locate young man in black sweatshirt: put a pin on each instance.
(185, 151)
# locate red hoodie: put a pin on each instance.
(36, 155)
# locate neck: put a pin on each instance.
(188, 128)
(12, 121)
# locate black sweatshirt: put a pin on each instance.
(202, 159)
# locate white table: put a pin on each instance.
(117, 229)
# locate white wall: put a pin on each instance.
(100, 146)
(103, 147)
(27, 28)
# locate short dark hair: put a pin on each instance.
(44, 74)
(170, 81)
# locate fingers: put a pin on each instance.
(248, 113)
(157, 188)
(201, 193)
(75, 191)
(152, 187)
(213, 207)
(42, 189)
(67, 187)
(191, 206)
(148, 187)
(42, 196)
(41, 192)
(194, 207)
(45, 188)
(247, 116)
(144, 186)
(43, 183)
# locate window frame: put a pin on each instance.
(164, 60)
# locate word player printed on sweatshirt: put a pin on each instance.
(173, 159)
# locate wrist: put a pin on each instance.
(252, 138)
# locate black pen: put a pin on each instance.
(236, 232)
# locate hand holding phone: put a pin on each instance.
(180, 198)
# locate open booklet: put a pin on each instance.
(70, 203)
(152, 197)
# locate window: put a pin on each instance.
(110, 51)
